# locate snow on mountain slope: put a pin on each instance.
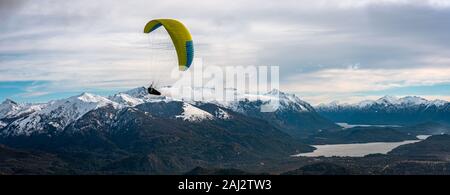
(11, 109)
(363, 103)
(192, 113)
(413, 100)
(222, 114)
(409, 110)
(289, 101)
(438, 103)
(408, 101)
(7, 107)
(76, 106)
(208, 95)
(57, 114)
(388, 100)
(141, 94)
(137, 96)
(126, 99)
(27, 109)
(275, 100)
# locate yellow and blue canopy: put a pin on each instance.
(180, 36)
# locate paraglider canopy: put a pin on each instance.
(181, 38)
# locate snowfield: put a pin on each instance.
(192, 113)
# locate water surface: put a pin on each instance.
(357, 150)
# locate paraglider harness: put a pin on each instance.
(152, 90)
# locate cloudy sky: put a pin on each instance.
(344, 50)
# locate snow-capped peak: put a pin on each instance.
(140, 92)
(437, 102)
(77, 106)
(87, 97)
(290, 101)
(192, 113)
(413, 100)
(275, 92)
(331, 104)
(409, 101)
(334, 103)
(58, 113)
(8, 102)
(7, 107)
(388, 101)
(126, 99)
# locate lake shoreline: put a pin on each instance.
(356, 149)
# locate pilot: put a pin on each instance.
(153, 91)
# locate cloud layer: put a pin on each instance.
(99, 45)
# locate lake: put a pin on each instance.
(357, 150)
(347, 126)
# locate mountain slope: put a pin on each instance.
(436, 145)
(13, 161)
(131, 132)
(293, 116)
(360, 135)
(55, 115)
(136, 140)
(7, 107)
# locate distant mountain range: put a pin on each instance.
(388, 110)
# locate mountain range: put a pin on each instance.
(293, 115)
(134, 132)
(388, 110)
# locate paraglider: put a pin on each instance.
(152, 90)
(181, 39)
